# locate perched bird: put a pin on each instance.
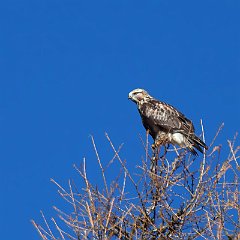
(165, 123)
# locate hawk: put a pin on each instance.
(165, 123)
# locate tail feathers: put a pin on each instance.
(200, 142)
(196, 142)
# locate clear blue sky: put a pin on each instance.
(66, 68)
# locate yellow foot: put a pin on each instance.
(156, 144)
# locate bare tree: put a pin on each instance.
(171, 195)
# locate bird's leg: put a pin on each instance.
(159, 140)
(156, 149)
(157, 143)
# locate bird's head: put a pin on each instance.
(138, 95)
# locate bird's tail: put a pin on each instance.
(198, 143)
(195, 142)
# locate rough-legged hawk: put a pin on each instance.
(165, 123)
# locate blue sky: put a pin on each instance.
(67, 68)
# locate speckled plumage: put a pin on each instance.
(165, 123)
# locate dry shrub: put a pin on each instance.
(172, 196)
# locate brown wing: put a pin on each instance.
(166, 116)
(161, 117)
